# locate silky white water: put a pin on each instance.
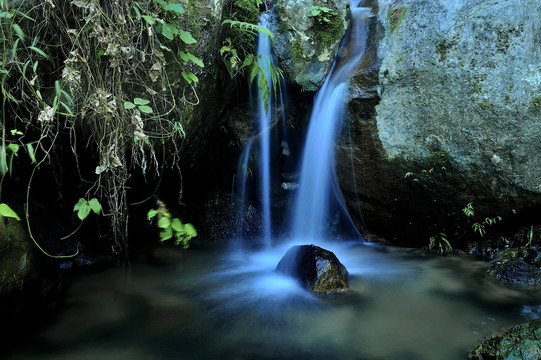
(318, 190)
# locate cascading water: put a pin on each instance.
(262, 142)
(264, 122)
(318, 188)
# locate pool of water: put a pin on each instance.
(199, 304)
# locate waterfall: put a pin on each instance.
(318, 190)
(264, 144)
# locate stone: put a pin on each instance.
(519, 342)
(306, 45)
(454, 118)
(317, 270)
(515, 271)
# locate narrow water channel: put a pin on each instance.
(218, 305)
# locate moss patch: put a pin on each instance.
(396, 16)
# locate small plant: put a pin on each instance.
(83, 207)
(322, 15)
(468, 210)
(530, 236)
(141, 104)
(440, 244)
(171, 226)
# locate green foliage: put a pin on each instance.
(6, 211)
(172, 227)
(141, 104)
(468, 210)
(83, 207)
(440, 244)
(322, 14)
(479, 227)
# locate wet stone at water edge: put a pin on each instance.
(317, 270)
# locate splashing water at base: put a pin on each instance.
(214, 305)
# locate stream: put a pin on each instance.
(218, 304)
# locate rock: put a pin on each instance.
(515, 271)
(519, 342)
(317, 270)
(306, 45)
(18, 261)
(454, 120)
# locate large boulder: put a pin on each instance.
(307, 35)
(317, 270)
(519, 342)
(455, 118)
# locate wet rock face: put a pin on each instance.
(519, 342)
(307, 35)
(317, 270)
(455, 117)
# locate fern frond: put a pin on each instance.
(249, 27)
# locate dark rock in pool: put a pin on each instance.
(519, 342)
(515, 271)
(317, 270)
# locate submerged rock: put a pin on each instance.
(515, 271)
(317, 270)
(519, 342)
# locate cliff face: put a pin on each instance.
(455, 118)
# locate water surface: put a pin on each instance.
(218, 305)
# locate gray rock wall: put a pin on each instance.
(456, 117)
(464, 77)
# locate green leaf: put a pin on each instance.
(177, 225)
(196, 60)
(183, 56)
(186, 37)
(163, 47)
(149, 19)
(40, 52)
(146, 109)
(175, 7)
(3, 161)
(84, 211)
(18, 31)
(95, 205)
(186, 77)
(31, 153)
(168, 30)
(164, 222)
(6, 211)
(129, 105)
(16, 132)
(193, 77)
(151, 213)
(161, 2)
(14, 49)
(139, 101)
(190, 230)
(14, 148)
(80, 204)
(166, 234)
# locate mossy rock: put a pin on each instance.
(18, 261)
(519, 342)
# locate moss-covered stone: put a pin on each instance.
(396, 16)
(519, 342)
